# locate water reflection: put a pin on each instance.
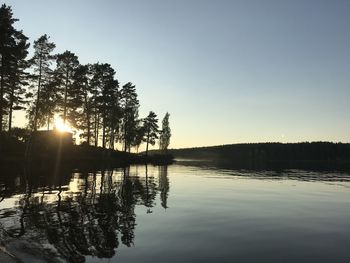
(216, 214)
(72, 214)
(225, 169)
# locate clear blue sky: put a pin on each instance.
(227, 71)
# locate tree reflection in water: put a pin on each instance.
(75, 214)
(163, 185)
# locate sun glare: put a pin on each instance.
(60, 125)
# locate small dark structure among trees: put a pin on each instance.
(52, 138)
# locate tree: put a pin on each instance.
(165, 133)
(114, 119)
(108, 101)
(18, 77)
(12, 48)
(151, 129)
(67, 63)
(82, 83)
(96, 90)
(88, 96)
(48, 102)
(105, 104)
(130, 109)
(41, 62)
(44, 110)
(139, 136)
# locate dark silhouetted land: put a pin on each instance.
(313, 155)
(59, 149)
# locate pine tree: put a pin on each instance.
(42, 75)
(82, 83)
(108, 98)
(130, 109)
(88, 96)
(96, 90)
(11, 52)
(67, 64)
(18, 77)
(115, 116)
(49, 100)
(151, 129)
(139, 136)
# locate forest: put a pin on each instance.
(305, 155)
(52, 87)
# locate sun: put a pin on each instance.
(60, 125)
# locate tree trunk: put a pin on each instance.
(2, 84)
(97, 127)
(147, 144)
(125, 138)
(111, 139)
(65, 99)
(104, 133)
(87, 109)
(96, 121)
(95, 130)
(88, 128)
(37, 98)
(11, 106)
(12, 97)
(48, 122)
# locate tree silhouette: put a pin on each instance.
(130, 109)
(102, 95)
(139, 136)
(49, 101)
(93, 220)
(67, 63)
(163, 185)
(18, 77)
(13, 50)
(114, 117)
(108, 99)
(88, 96)
(40, 62)
(82, 83)
(97, 85)
(165, 133)
(151, 129)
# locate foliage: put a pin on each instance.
(151, 129)
(165, 133)
(88, 97)
(130, 109)
(41, 108)
(13, 51)
(21, 134)
(66, 65)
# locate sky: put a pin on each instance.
(226, 71)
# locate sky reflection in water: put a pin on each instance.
(180, 213)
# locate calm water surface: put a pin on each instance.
(179, 213)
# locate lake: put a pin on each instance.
(177, 213)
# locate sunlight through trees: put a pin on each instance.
(55, 89)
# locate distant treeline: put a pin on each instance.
(273, 155)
